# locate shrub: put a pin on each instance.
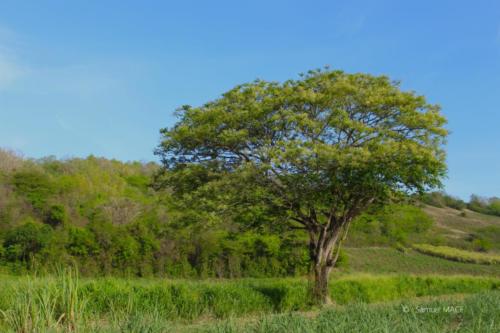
(398, 222)
(480, 244)
(81, 242)
(484, 205)
(494, 206)
(490, 233)
(27, 240)
(441, 199)
(56, 215)
(391, 225)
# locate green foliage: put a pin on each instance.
(56, 215)
(481, 244)
(489, 234)
(81, 242)
(35, 186)
(441, 199)
(108, 221)
(392, 225)
(397, 222)
(482, 205)
(310, 154)
(494, 206)
(329, 130)
(27, 240)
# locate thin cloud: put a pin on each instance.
(10, 71)
(81, 80)
(10, 68)
(78, 80)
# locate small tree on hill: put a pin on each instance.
(307, 154)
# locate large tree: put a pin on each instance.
(313, 152)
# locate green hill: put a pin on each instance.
(465, 228)
(104, 216)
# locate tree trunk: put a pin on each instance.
(324, 252)
(320, 292)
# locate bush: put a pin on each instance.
(480, 244)
(441, 199)
(494, 206)
(391, 225)
(399, 222)
(81, 242)
(56, 215)
(490, 206)
(489, 233)
(27, 240)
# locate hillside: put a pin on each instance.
(460, 228)
(104, 216)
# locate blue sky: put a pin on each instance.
(102, 77)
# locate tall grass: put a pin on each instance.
(478, 313)
(66, 303)
(34, 305)
(454, 254)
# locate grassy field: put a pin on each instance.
(477, 313)
(454, 254)
(383, 260)
(48, 304)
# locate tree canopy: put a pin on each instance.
(316, 151)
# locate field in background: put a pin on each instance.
(384, 260)
(454, 254)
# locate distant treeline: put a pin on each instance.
(483, 205)
(105, 216)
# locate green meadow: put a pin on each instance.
(68, 303)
